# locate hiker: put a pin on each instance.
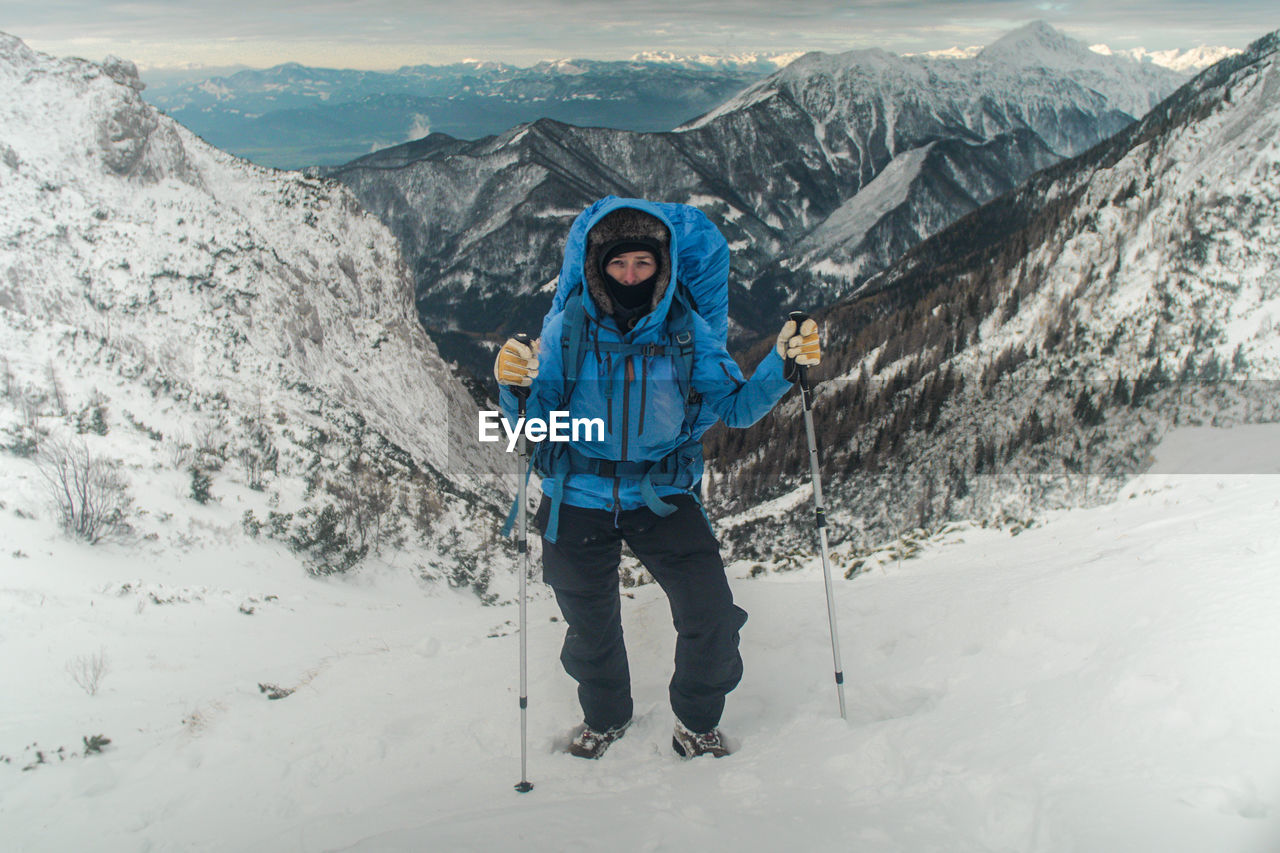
(632, 351)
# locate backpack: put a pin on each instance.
(702, 287)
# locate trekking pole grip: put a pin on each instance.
(521, 391)
(802, 369)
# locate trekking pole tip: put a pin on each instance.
(524, 786)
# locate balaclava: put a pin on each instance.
(627, 230)
(630, 296)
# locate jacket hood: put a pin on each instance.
(629, 219)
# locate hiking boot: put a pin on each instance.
(592, 744)
(689, 744)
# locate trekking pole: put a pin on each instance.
(820, 513)
(524, 786)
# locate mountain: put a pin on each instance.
(207, 327)
(781, 168)
(1030, 354)
(764, 63)
(1038, 46)
(1189, 61)
(292, 115)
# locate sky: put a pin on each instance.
(387, 34)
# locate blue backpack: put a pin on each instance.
(702, 287)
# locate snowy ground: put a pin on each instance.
(1104, 682)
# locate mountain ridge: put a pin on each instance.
(768, 167)
(1030, 354)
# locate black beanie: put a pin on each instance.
(630, 244)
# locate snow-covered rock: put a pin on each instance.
(1130, 86)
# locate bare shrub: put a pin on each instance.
(89, 670)
(56, 389)
(89, 493)
(181, 454)
(29, 430)
(211, 445)
(366, 504)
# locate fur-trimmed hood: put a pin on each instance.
(625, 223)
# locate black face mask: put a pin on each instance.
(630, 301)
(631, 296)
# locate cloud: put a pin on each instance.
(385, 33)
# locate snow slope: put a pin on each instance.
(1101, 682)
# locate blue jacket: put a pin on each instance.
(638, 395)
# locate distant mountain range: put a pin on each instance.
(292, 116)
(819, 175)
(1188, 61)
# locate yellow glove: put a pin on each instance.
(800, 347)
(517, 363)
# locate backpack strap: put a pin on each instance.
(515, 504)
(680, 323)
(571, 341)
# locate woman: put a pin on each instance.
(632, 352)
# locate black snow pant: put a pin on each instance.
(683, 556)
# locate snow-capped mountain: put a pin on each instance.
(292, 115)
(1031, 353)
(1184, 61)
(212, 316)
(1038, 46)
(955, 52)
(1188, 61)
(765, 63)
(780, 168)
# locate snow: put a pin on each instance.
(849, 223)
(777, 506)
(1187, 61)
(736, 60)
(955, 52)
(1101, 682)
(753, 94)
